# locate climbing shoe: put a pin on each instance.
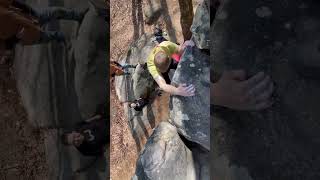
(139, 104)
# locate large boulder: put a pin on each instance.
(61, 85)
(191, 115)
(279, 38)
(165, 156)
(201, 25)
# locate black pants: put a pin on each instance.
(173, 65)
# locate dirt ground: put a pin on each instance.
(127, 24)
(22, 153)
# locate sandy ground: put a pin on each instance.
(127, 24)
(22, 154)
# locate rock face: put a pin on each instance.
(278, 38)
(191, 115)
(201, 26)
(61, 85)
(165, 156)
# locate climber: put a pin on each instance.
(162, 52)
(117, 69)
(22, 24)
(89, 137)
(164, 57)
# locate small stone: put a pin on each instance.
(264, 12)
(192, 65)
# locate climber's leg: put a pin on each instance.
(139, 104)
(56, 13)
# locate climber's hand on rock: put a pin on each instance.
(235, 91)
(184, 90)
(183, 46)
(188, 43)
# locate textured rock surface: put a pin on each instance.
(278, 38)
(165, 157)
(61, 85)
(201, 25)
(191, 115)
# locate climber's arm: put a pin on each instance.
(181, 90)
(183, 46)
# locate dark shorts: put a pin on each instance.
(173, 65)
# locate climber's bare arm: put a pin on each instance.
(93, 118)
(181, 90)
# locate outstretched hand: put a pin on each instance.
(188, 43)
(235, 91)
(183, 46)
(184, 90)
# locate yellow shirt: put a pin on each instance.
(168, 47)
